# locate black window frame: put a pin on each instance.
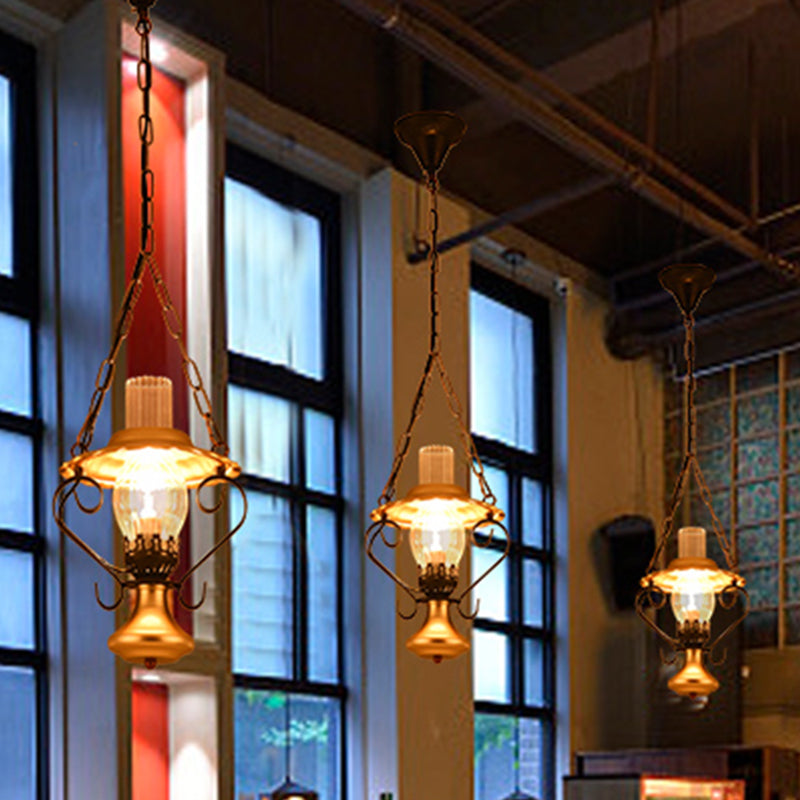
(538, 466)
(304, 392)
(19, 296)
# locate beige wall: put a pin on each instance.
(613, 467)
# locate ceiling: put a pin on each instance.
(681, 156)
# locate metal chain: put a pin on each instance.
(691, 464)
(189, 366)
(105, 375)
(434, 359)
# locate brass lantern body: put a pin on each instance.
(438, 639)
(151, 636)
(693, 679)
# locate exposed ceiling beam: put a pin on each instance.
(442, 49)
(629, 51)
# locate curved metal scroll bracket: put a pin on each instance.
(69, 489)
(651, 598)
(212, 480)
(411, 614)
(186, 604)
(727, 599)
(475, 543)
(119, 596)
(372, 533)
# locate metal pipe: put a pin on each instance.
(624, 139)
(541, 205)
(442, 50)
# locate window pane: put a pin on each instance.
(16, 617)
(262, 587)
(492, 591)
(263, 749)
(532, 513)
(502, 387)
(320, 446)
(6, 171)
(16, 488)
(533, 592)
(18, 734)
(15, 360)
(497, 739)
(323, 645)
(490, 666)
(274, 281)
(534, 672)
(260, 428)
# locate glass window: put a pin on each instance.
(274, 281)
(748, 418)
(22, 701)
(284, 411)
(512, 652)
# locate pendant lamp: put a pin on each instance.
(149, 466)
(289, 790)
(437, 516)
(691, 583)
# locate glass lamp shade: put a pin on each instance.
(149, 497)
(437, 535)
(151, 636)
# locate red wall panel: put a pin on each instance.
(150, 741)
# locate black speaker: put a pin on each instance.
(627, 543)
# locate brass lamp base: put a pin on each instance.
(687, 283)
(151, 636)
(693, 680)
(430, 135)
(438, 639)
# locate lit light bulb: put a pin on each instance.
(691, 601)
(149, 499)
(437, 535)
(693, 597)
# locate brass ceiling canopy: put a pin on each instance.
(430, 135)
(687, 283)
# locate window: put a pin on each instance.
(284, 411)
(513, 663)
(22, 640)
(748, 428)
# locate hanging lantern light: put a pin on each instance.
(437, 516)
(149, 466)
(692, 583)
(289, 790)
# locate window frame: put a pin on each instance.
(305, 393)
(537, 466)
(19, 297)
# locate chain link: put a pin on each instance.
(691, 464)
(105, 375)
(435, 361)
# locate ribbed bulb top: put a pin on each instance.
(436, 464)
(148, 402)
(692, 543)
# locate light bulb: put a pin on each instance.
(149, 498)
(437, 535)
(691, 599)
